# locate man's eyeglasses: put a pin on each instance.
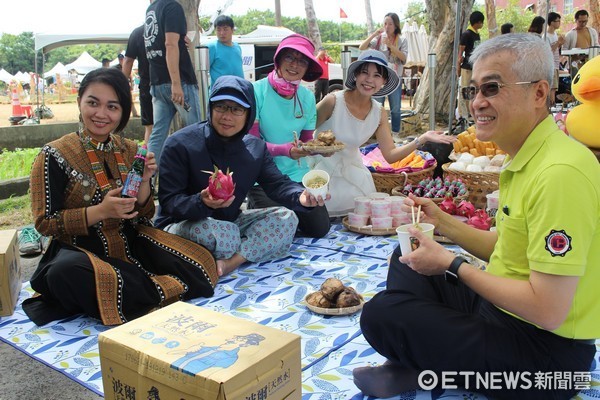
(235, 110)
(488, 89)
(301, 61)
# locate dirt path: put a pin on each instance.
(66, 112)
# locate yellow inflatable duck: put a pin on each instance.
(583, 122)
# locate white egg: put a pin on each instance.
(466, 158)
(458, 166)
(482, 161)
(474, 168)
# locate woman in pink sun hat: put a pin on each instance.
(286, 114)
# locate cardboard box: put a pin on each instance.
(10, 272)
(187, 352)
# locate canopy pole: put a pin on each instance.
(37, 81)
(453, 76)
(431, 66)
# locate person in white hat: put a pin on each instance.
(354, 116)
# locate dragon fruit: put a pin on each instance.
(480, 220)
(220, 185)
(466, 209)
(448, 205)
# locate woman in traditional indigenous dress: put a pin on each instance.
(105, 259)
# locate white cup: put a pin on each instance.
(492, 202)
(401, 219)
(309, 179)
(381, 208)
(381, 222)
(397, 202)
(359, 220)
(362, 205)
(409, 243)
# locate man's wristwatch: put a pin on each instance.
(451, 273)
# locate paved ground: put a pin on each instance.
(23, 378)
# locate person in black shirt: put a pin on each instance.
(468, 41)
(173, 89)
(136, 49)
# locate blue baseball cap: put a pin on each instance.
(231, 97)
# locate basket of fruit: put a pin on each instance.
(385, 182)
(477, 164)
(411, 169)
(435, 189)
(478, 183)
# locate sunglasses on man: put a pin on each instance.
(488, 89)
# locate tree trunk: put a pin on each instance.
(314, 34)
(190, 8)
(595, 15)
(442, 20)
(541, 8)
(370, 27)
(278, 12)
(490, 16)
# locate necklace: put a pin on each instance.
(91, 145)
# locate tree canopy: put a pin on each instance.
(17, 52)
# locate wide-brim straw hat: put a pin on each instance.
(375, 57)
(303, 45)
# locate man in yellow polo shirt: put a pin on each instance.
(526, 327)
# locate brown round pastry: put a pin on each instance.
(348, 298)
(318, 300)
(327, 137)
(331, 288)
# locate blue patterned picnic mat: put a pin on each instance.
(271, 294)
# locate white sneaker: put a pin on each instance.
(29, 241)
(396, 137)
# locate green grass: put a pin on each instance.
(14, 203)
(16, 164)
(15, 212)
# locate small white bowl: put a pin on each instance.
(310, 176)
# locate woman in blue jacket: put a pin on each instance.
(188, 209)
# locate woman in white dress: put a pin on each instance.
(353, 116)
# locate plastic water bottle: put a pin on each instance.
(134, 177)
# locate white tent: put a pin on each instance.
(84, 64)
(47, 42)
(22, 77)
(5, 76)
(60, 69)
